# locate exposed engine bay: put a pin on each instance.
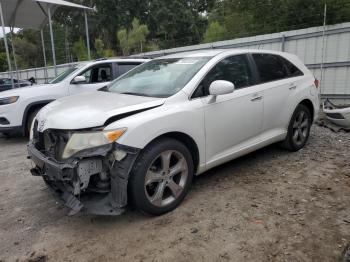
(93, 181)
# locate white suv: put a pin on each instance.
(19, 106)
(143, 138)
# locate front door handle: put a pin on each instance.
(256, 98)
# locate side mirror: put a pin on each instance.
(221, 87)
(79, 80)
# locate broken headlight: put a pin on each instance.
(85, 140)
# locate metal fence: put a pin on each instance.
(42, 75)
(306, 43)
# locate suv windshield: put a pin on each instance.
(159, 78)
(63, 75)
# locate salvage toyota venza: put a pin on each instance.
(141, 139)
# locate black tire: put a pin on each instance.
(30, 120)
(138, 188)
(345, 257)
(294, 144)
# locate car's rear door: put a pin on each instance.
(279, 80)
(232, 119)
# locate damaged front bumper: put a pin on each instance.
(94, 181)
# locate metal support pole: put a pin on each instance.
(323, 45)
(6, 46)
(14, 57)
(283, 43)
(52, 42)
(44, 54)
(87, 35)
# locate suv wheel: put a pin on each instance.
(298, 129)
(161, 177)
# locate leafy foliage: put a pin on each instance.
(100, 48)
(215, 32)
(3, 62)
(119, 27)
(80, 50)
(133, 40)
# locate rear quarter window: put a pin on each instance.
(274, 67)
(292, 69)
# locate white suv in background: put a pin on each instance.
(19, 106)
(141, 140)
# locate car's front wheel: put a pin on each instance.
(161, 176)
(298, 129)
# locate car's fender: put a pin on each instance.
(186, 117)
(31, 96)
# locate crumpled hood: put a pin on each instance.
(91, 109)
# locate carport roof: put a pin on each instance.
(31, 13)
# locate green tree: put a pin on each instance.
(123, 38)
(80, 50)
(109, 53)
(3, 62)
(133, 40)
(137, 35)
(100, 48)
(215, 32)
(26, 53)
(177, 22)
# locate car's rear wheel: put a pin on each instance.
(298, 129)
(161, 176)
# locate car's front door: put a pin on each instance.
(96, 77)
(231, 120)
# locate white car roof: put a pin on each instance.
(113, 60)
(215, 52)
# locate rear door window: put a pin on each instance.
(125, 67)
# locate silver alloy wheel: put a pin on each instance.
(300, 128)
(166, 178)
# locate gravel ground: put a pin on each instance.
(271, 205)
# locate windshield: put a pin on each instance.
(63, 75)
(159, 78)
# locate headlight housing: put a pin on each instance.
(85, 140)
(8, 100)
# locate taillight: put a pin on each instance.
(317, 83)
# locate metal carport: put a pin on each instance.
(34, 14)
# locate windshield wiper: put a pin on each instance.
(134, 94)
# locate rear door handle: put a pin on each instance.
(256, 98)
(292, 86)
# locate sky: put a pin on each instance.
(7, 29)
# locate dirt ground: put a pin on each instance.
(271, 205)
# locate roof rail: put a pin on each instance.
(101, 59)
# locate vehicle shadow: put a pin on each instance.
(232, 169)
(13, 139)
